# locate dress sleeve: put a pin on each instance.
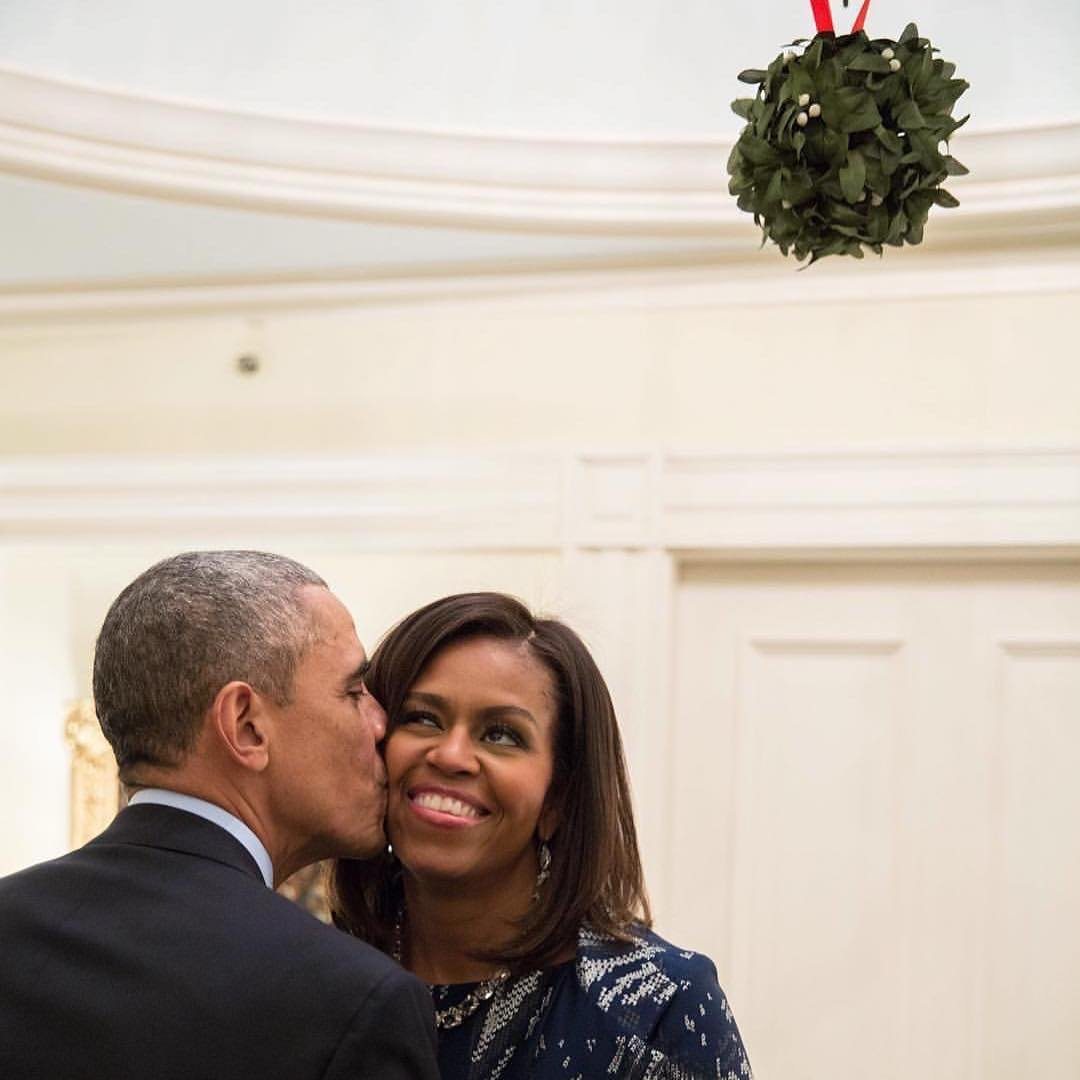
(391, 1036)
(697, 1034)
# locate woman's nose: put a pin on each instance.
(453, 752)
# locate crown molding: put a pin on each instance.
(1004, 499)
(398, 503)
(752, 278)
(192, 152)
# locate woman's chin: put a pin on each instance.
(439, 873)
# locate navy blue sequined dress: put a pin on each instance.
(640, 1010)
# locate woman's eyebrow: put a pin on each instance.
(495, 711)
(492, 711)
(427, 699)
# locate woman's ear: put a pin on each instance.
(240, 726)
(548, 822)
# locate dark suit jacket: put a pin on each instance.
(156, 952)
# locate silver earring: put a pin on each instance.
(543, 857)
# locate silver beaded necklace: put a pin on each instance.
(454, 1015)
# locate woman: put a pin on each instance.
(514, 886)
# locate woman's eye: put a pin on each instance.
(422, 719)
(502, 735)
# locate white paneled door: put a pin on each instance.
(875, 816)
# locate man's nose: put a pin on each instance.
(377, 715)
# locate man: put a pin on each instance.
(230, 686)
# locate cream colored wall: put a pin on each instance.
(969, 370)
(38, 679)
(961, 369)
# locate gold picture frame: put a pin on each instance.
(95, 786)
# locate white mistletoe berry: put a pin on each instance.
(815, 110)
(802, 119)
(876, 199)
(888, 54)
(894, 65)
(785, 203)
(804, 99)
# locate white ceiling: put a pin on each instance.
(624, 67)
(630, 69)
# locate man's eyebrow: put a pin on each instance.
(358, 673)
(492, 712)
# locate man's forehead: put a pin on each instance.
(333, 626)
(326, 611)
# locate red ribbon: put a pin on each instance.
(823, 16)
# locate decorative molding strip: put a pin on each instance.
(753, 278)
(81, 134)
(1063, 649)
(1022, 498)
(372, 503)
(742, 505)
(808, 646)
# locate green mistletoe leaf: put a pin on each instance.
(852, 177)
(870, 61)
(862, 118)
(909, 117)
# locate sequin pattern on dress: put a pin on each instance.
(637, 1010)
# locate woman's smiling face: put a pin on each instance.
(469, 763)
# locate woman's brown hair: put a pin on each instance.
(596, 878)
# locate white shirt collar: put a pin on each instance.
(210, 812)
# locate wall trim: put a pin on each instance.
(754, 278)
(120, 141)
(433, 501)
(900, 499)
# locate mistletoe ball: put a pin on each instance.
(845, 144)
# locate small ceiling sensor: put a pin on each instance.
(248, 364)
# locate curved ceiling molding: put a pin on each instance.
(108, 139)
(757, 278)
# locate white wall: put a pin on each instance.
(38, 674)
(852, 372)
(922, 373)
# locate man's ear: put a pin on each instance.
(240, 726)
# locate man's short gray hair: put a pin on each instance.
(182, 630)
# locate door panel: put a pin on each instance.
(874, 816)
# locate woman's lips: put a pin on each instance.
(445, 808)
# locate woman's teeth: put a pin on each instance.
(445, 805)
